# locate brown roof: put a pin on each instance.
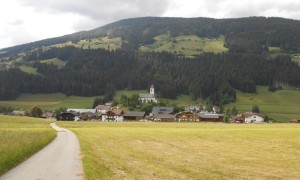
(118, 112)
(134, 114)
(103, 107)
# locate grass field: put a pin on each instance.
(28, 69)
(98, 43)
(55, 61)
(281, 105)
(49, 101)
(188, 150)
(187, 45)
(20, 137)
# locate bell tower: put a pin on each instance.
(152, 89)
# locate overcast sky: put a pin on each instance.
(23, 21)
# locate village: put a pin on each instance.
(191, 113)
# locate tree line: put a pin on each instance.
(100, 72)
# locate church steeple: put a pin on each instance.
(152, 89)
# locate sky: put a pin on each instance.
(24, 21)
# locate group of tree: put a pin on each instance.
(101, 72)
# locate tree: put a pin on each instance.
(35, 111)
(266, 119)
(255, 109)
(234, 111)
(97, 101)
(59, 110)
(226, 119)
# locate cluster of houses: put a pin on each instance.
(162, 114)
(191, 113)
(158, 114)
(248, 117)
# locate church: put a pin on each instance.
(148, 98)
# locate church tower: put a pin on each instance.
(152, 89)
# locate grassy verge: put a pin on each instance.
(21, 137)
(188, 150)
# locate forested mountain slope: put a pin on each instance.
(110, 58)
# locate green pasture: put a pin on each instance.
(281, 105)
(55, 61)
(96, 43)
(148, 150)
(28, 69)
(49, 101)
(190, 46)
(21, 137)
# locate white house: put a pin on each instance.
(253, 118)
(148, 98)
(113, 115)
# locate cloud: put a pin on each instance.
(25, 21)
(101, 10)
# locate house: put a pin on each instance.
(192, 108)
(87, 116)
(18, 113)
(82, 110)
(250, 117)
(103, 108)
(210, 117)
(295, 121)
(187, 117)
(236, 119)
(133, 115)
(113, 115)
(162, 110)
(47, 115)
(68, 116)
(148, 98)
(164, 117)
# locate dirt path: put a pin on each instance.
(60, 160)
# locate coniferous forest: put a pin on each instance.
(90, 72)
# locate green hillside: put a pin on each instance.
(281, 105)
(188, 45)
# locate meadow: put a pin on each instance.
(21, 137)
(49, 101)
(281, 106)
(189, 46)
(145, 150)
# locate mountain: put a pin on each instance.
(204, 57)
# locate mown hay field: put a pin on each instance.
(145, 150)
(21, 137)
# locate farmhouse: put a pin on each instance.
(103, 108)
(162, 110)
(253, 117)
(148, 98)
(68, 116)
(209, 117)
(187, 116)
(164, 117)
(113, 115)
(133, 115)
(82, 110)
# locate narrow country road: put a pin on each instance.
(60, 160)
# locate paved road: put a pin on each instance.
(60, 160)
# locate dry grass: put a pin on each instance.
(188, 150)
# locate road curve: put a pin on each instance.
(60, 160)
